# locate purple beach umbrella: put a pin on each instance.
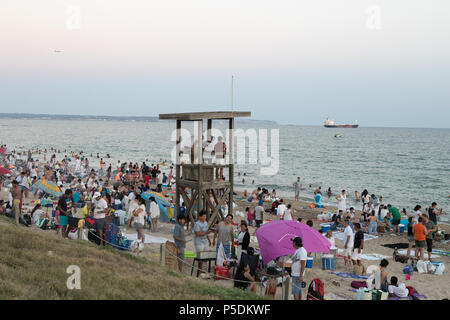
(274, 239)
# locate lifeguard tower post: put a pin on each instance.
(199, 177)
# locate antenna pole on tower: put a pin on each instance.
(232, 93)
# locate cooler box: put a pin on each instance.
(402, 228)
(309, 262)
(325, 227)
(327, 262)
(221, 273)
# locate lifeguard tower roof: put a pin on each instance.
(193, 116)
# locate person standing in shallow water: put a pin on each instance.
(342, 198)
(297, 188)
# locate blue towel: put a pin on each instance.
(349, 275)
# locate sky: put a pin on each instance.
(384, 63)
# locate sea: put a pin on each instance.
(407, 166)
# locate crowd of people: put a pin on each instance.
(96, 193)
(85, 190)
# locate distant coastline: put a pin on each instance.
(32, 116)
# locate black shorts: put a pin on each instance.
(429, 245)
(99, 224)
(395, 222)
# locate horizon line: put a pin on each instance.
(11, 115)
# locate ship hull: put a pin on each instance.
(341, 126)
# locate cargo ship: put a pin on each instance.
(329, 123)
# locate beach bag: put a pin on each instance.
(358, 284)
(411, 292)
(421, 267)
(399, 257)
(408, 269)
(359, 270)
(438, 268)
(315, 290)
(115, 238)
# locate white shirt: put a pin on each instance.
(132, 206)
(154, 210)
(415, 216)
(281, 209)
(332, 242)
(400, 290)
(342, 203)
(140, 218)
(287, 215)
(299, 255)
(99, 206)
(348, 232)
(383, 213)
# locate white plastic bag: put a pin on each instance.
(221, 258)
(421, 266)
(438, 268)
(73, 235)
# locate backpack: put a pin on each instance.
(115, 238)
(315, 290)
(411, 292)
(358, 284)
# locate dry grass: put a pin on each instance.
(33, 266)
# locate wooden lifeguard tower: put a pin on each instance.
(198, 178)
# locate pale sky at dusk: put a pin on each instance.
(384, 63)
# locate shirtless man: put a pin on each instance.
(220, 150)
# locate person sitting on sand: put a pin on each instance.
(386, 224)
(318, 200)
(337, 219)
(330, 238)
(382, 283)
(243, 279)
(396, 289)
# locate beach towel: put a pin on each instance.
(373, 256)
(441, 252)
(368, 256)
(340, 236)
(397, 245)
(349, 275)
(415, 294)
(148, 238)
(403, 252)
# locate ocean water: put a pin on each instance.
(405, 166)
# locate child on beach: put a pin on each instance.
(249, 216)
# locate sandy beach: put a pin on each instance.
(430, 285)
